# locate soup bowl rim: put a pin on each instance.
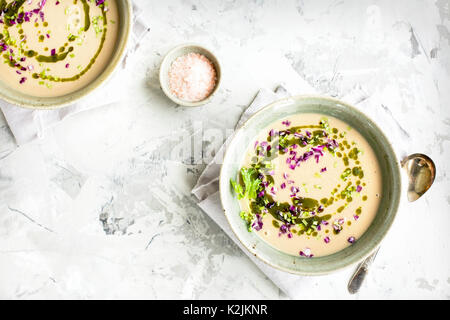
(351, 260)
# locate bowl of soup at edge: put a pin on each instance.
(57, 52)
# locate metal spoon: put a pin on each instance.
(421, 173)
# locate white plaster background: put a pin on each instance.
(101, 208)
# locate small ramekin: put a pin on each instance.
(179, 51)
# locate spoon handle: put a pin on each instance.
(360, 273)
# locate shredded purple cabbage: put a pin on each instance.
(273, 190)
(257, 224)
(306, 253)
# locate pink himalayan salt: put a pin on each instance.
(192, 77)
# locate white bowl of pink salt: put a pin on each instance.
(190, 75)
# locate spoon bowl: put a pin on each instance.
(421, 172)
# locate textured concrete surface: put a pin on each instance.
(101, 207)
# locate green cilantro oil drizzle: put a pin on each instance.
(2, 5)
(10, 10)
(87, 18)
(91, 63)
(54, 58)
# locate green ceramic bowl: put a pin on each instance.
(391, 180)
(17, 98)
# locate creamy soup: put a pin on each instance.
(53, 47)
(309, 185)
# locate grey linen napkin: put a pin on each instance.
(26, 125)
(207, 187)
